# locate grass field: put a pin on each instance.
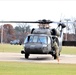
(18, 48)
(68, 50)
(22, 68)
(10, 48)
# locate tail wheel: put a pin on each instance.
(55, 57)
(26, 55)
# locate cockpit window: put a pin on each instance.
(26, 40)
(35, 39)
(42, 39)
(30, 38)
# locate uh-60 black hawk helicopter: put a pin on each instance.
(43, 40)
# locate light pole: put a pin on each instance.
(66, 27)
(1, 34)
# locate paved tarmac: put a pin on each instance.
(44, 58)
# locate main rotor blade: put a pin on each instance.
(63, 22)
(41, 22)
(19, 22)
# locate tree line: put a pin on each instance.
(22, 29)
(11, 33)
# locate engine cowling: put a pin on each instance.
(55, 32)
(42, 31)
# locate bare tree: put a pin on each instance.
(22, 27)
(74, 26)
(21, 31)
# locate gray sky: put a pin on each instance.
(36, 10)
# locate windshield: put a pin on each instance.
(35, 39)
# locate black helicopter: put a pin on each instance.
(41, 40)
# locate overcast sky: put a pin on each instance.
(36, 10)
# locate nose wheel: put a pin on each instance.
(26, 55)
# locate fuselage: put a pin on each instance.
(40, 42)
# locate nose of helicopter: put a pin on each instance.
(35, 49)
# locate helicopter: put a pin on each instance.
(41, 40)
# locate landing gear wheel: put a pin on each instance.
(59, 54)
(26, 55)
(55, 57)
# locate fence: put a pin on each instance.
(69, 43)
